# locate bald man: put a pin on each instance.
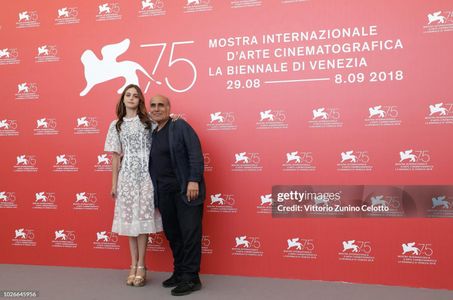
(176, 168)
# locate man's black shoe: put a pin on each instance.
(186, 287)
(173, 281)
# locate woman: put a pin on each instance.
(129, 140)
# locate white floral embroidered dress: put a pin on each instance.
(134, 207)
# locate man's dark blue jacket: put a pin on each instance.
(186, 158)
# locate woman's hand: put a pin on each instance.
(113, 192)
(115, 170)
(174, 117)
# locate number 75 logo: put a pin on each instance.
(98, 71)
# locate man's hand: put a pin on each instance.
(192, 190)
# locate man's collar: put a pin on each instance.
(166, 123)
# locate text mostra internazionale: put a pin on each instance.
(297, 45)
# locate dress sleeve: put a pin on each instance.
(112, 141)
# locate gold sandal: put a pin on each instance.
(140, 280)
(131, 277)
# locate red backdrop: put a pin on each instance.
(261, 78)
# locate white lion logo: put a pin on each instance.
(436, 17)
(108, 68)
(348, 156)
(242, 241)
(319, 113)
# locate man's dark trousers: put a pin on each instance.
(182, 227)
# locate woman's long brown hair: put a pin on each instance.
(141, 110)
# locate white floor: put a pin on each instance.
(77, 283)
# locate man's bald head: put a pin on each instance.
(160, 109)
(161, 98)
